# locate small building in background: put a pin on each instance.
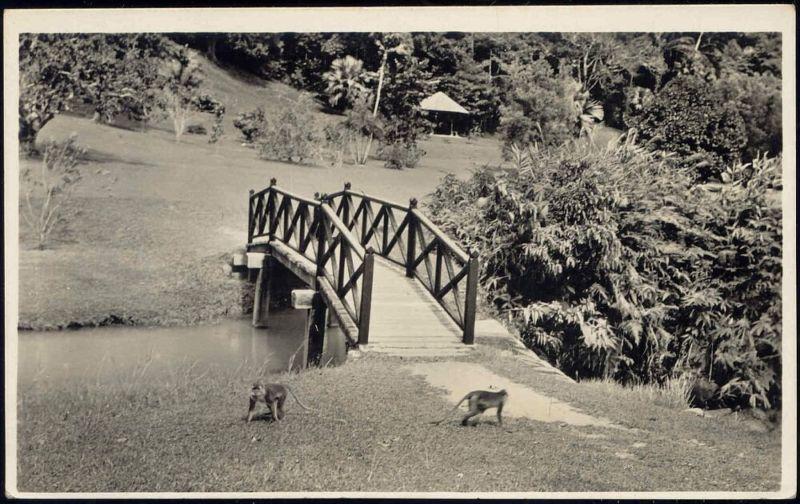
(448, 117)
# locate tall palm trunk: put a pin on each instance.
(381, 72)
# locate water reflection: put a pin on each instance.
(106, 351)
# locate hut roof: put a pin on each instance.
(440, 102)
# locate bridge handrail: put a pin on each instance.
(441, 236)
(446, 250)
(352, 241)
(311, 224)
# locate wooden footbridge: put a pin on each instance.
(384, 273)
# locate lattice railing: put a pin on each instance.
(313, 230)
(407, 237)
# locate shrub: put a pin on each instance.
(400, 155)
(292, 133)
(758, 101)
(335, 144)
(615, 264)
(539, 109)
(361, 127)
(693, 119)
(46, 190)
(251, 124)
(196, 129)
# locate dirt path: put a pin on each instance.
(458, 378)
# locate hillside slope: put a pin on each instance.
(153, 219)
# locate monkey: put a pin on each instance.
(273, 395)
(480, 401)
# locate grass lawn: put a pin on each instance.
(187, 433)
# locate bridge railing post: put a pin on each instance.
(250, 217)
(271, 207)
(470, 303)
(366, 297)
(319, 218)
(412, 238)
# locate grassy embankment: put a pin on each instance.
(154, 220)
(187, 433)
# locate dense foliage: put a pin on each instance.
(616, 264)
(541, 87)
(142, 76)
(692, 119)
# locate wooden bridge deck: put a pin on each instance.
(406, 320)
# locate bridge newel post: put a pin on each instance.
(263, 293)
(471, 298)
(250, 216)
(412, 238)
(317, 324)
(321, 230)
(366, 297)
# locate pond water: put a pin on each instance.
(89, 354)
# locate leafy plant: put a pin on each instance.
(361, 127)
(692, 118)
(540, 107)
(345, 78)
(400, 155)
(251, 124)
(292, 133)
(48, 189)
(615, 264)
(181, 94)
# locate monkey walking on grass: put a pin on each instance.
(480, 401)
(273, 395)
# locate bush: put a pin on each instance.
(196, 129)
(758, 101)
(539, 110)
(693, 119)
(335, 144)
(400, 155)
(615, 265)
(48, 189)
(293, 134)
(251, 124)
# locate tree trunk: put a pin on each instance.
(377, 101)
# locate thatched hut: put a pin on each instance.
(449, 118)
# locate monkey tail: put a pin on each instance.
(298, 400)
(452, 410)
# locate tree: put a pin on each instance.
(50, 69)
(539, 109)
(400, 44)
(692, 118)
(181, 93)
(345, 78)
(362, 126)
(408, 83)
(757, 99)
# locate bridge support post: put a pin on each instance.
(412, 238)
(471, 299)
(317, 324)
(262, 293)
(366, 297)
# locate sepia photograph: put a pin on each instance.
(400, 251)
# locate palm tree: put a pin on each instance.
(588, 112)
(346, 77)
